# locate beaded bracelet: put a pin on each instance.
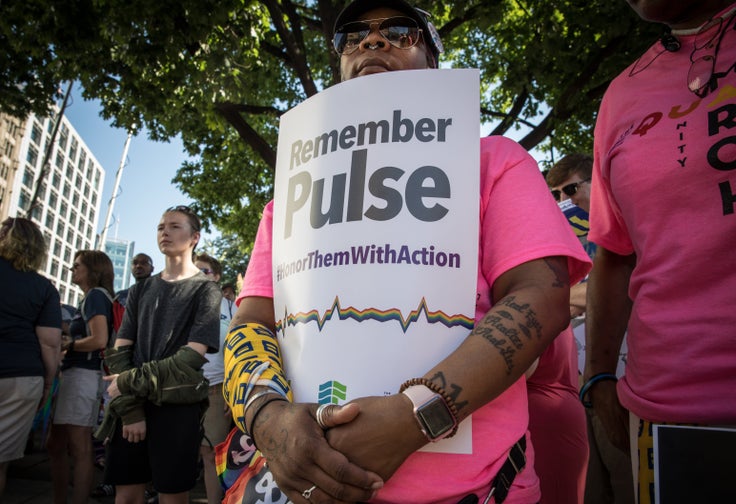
(257, 411)
(592, 381)
(439, 390)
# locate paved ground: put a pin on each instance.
(29, 482)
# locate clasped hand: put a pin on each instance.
(365, 444)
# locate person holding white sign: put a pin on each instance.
(369, 449)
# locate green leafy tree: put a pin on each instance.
(221, 72)
(228, 249)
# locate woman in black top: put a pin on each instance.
(77, 405)
(30, 335)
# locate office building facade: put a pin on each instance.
(121, 254)
(69, 192)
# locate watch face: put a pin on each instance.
(436, 418)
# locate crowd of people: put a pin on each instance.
(109, 351)
(189, 360)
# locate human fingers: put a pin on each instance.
(322, 487)
(299, 456)
(135, 432)
(110, 377)
(332, 415)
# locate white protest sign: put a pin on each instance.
(375, 233)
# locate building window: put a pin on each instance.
(24, 200)
(68, 256)
(54, 268)
(97, 178)
(73, 149)
(56, 179)
(73, 218)
(32, 156)
(28, 177)
(75, 200)
(50, 221)
(67, 190)
(63, 209)
(53, 199)
(63, 136)
(36, 214)
(59, 162)
(36, 133)
(57, 248)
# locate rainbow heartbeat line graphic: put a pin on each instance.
(350, 312)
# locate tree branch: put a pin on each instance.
(232, 113)
(564, 107)
(293, 42)
(513, 115)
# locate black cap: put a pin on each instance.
(358, 7)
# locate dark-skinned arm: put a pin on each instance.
(531, 307)
(294, 446)
(608, 311)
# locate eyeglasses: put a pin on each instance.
(399, 31)
(707, 43)
(207, 271)
(569, 189)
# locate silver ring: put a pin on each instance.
(320, 416)
(308, 492)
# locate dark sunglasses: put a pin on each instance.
(569, 189)
(399, 31)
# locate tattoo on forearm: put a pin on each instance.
(503, 326)
(452, 389)
(531, 326)
(562, 278)
(506, 350)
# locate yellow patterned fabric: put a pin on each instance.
(252, 357)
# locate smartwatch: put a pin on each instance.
(434, 417)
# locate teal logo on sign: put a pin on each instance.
(332, 392)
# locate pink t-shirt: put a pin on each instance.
(664, 187)
(519, 222)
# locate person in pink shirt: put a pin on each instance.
(663, 214)
(528, 257)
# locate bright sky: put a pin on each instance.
(145, 190)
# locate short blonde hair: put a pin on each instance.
(22, 243)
